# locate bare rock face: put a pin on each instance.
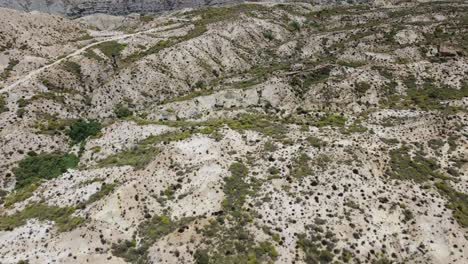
(86, 7)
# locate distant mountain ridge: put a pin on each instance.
(120, 7)
(115, 7)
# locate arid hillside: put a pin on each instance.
(248, 133)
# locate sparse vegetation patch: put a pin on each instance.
(44, 166)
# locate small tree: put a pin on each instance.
(81, 130)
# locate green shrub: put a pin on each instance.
(426, 97)
(81, 130)
(166, 137)
(270, 146)
(322, 161)
(72, 67)
(137, 157)
(361, 88)
(90, 54)
(146, 18)
(201, 257)
(3, 103)
(457, 202)
(417, 168)
(9, 68)
(295, 26)
(189, 96)
(20, 195)
(316, 142)
(54, 125)
(318, 75)
(105, 190)
(122, 111)
(144, 152)
(163, 44)
(36, 167)
(235, 237)
(268, 35)
(149, 231)
(352, 63)
(301, 166)
(157, 227)
(333, 120)
(41, 211)
(260, 123)
(355, 127)
(314, 251)
(110, 48)
(236, 188)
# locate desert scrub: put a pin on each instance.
(163, 44)
(212, 15)
(457, 202)
(260, 123)
(302, 83)
(300, 167)
(81, 129)
(318, 245)
(52, 125)
(62, 216)
(146, 18)
(403, 166)
(105, 190)
(313, 251)
(72, 67)
(90, 54)
(316, 142)
(138, 157)
(53, 86)
(19, 195)
(122, 111)
(3, 103)
(294, 26)
(355, 127)
(228, 232)
(352, 63)
(270, 146)
(9, 68)
(142, 153)
(331, 119)
(208, 16)
(149, 232)
(268, 34)
(166, 137)
(110, 48)
(436, 144)
(44, 166)
(361, 88)
(236, 188)
(56, 97)
(189, 96)
(265, 124)
(427, 96)
(322, 161)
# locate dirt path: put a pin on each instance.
(31, 74)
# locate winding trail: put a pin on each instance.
(33, 73)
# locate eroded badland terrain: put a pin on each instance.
(250, 133)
